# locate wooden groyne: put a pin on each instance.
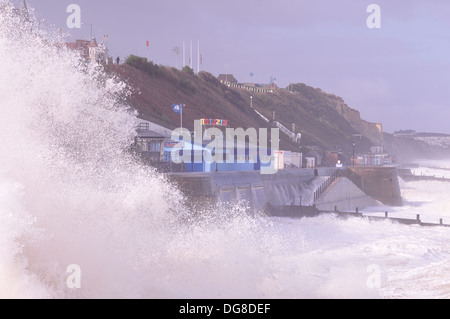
(413, 178)
(293, 211)
(408, 176)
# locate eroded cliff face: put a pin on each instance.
(372, 131)
(336, 112)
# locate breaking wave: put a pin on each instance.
(71, 192)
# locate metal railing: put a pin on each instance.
(353, 177)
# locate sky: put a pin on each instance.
(397, 74)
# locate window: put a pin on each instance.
(154, 146)
(167, 156)
(141, 145)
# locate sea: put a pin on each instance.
(82, 217)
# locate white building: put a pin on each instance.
(310, 162)
(376, 150)
(98, 52)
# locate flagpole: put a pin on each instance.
(184, 55)
(191, 62)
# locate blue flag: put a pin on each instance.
(177, 108)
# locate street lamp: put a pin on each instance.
(353, 158)
(192, 150)
(90, 24)
(251, 102)
(338, 148)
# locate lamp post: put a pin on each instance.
(89, 24)
(192, 150)
(338, 148)
(182, 106)
(251, 102)
(353, 158)
(226, 73)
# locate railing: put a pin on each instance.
(263, 117)
(255, 89)
(354, 178)
(293, 136)
(143, 127)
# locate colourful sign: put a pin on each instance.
(215, 122)
(173, 144)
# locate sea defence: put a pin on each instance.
(344, 195)
(258, 190)
(380, 183)
(294, 187)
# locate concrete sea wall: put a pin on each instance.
(292, 187)
(258, 190)
(380, 183)
(343, 195)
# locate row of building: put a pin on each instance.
(92, 51)
(376, 157)
(157, 147)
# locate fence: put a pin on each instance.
(353, 177)
(255, 89)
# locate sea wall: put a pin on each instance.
(293, 187)
(343, 195)
(283, 188)
(380, 183)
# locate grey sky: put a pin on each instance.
(397, 75)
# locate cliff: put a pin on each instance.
(323, 119)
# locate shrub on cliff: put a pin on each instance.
(188, 70)
(143, 64)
